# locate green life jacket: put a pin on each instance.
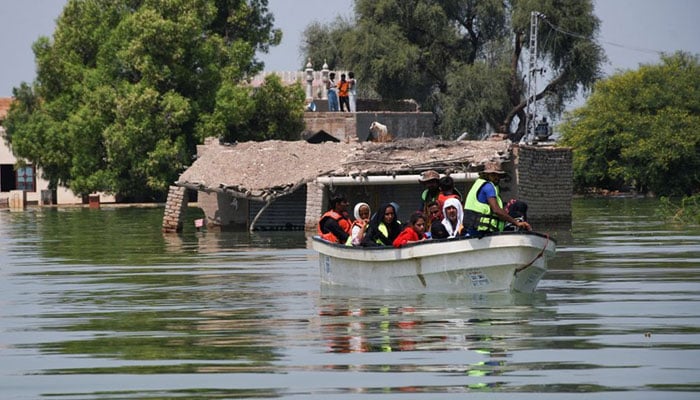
(385, 231)
(477, 215)
(426, 197)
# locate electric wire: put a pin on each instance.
(577, 35)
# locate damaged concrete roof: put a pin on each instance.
(264, 170)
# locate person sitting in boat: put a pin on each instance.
(516, 209)
(431, 181)
(434, 215)
(383, 227)
(451, 225)
(414, 232)
(359, 225)
(447, 190)
(483, 208)
(334, 225)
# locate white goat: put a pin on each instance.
(379, 133)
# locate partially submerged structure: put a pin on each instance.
(285, 185)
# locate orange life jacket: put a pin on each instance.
(344, 223)
(442, 198)
(357, 222)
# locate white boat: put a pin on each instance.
(499, 262)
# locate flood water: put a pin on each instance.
(99, 304)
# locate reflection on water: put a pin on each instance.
(438, 322)
(476, 334)
(100, 304)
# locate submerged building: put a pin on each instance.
(278, 185)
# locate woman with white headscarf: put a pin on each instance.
(362, 213)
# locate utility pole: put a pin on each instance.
(530, 101)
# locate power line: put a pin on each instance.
(639, 49)
(578, 35)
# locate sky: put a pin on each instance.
(632, 32)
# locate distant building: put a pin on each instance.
(28, 178)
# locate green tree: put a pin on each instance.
(126, 89)
(272, 111)
(639, 129)
(322, 42)
(464, 58)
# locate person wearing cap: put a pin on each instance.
(430, 179)
(483, 208)
(334, 225)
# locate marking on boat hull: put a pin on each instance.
(421, 278)
(479, 279)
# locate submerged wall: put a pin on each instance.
(544, 179)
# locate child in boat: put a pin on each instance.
(433, 215)
(414, 232)
(447, 190)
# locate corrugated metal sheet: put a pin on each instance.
(286, 213)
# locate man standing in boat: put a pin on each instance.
(430, 179)
(334, 225)
(483, 208)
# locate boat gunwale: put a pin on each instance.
(318, 239)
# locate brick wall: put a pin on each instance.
(314, 205)
(355, 126)
(341, 125)
(221, 209)
(399, 124)
(174, 209)
(544, 177)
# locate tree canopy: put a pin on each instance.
(639, 129)
(464, 58)
(126, 89)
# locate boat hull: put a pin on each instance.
(503, 262)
